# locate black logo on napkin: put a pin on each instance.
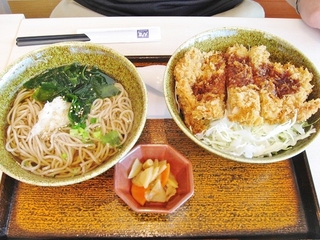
(143, 33)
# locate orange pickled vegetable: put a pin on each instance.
(165, 175)
(138, 193)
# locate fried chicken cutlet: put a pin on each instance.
(286, 95)
(243, 100)
(200, 87)
(244, 84)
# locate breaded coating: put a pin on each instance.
(244, 84)
(243, 101)
(287, 95)
(200, 88)
(244, 105)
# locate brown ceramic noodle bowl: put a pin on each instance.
(222, 38)
(34, 63)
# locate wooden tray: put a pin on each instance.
(231, 200)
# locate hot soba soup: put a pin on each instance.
(69, 112)
(68, 120)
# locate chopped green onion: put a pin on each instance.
(93, 120)
(97, 134)
(111, 138)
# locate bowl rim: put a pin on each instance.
(56, 182)
(186, 45)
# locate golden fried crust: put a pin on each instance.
(243, 101)
(244, 105)
(200, 88)
(239, 71)
(290, 90)
(245, 84)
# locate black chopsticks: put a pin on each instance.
(48, 39)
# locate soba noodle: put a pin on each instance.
(61, 154)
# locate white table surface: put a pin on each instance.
(9, 25)
(175, 31)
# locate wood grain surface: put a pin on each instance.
(231, 199)
(278, 9)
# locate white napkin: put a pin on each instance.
(123, 35)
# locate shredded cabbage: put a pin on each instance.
(250, 142)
